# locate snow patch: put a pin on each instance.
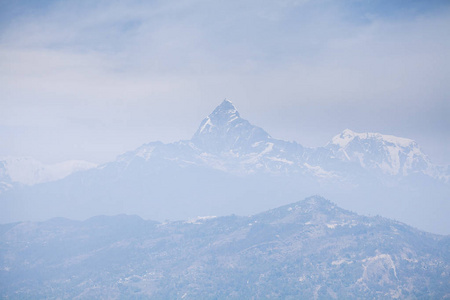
(347, 136)
(145, 152)
(281, 160)
(318, 171)
(207, 124)
(340, 262)
(199, 220)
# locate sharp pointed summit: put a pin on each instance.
(224, 114)
(225, 106)
(224, 129)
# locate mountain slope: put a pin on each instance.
(308, 249)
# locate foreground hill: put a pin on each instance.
(309, 249)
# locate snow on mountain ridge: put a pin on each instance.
(390, 154)
(348, 135)
(29, 171)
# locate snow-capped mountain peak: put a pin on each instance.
(348, 136)
(389, 154)
(224, 115)
(226, 110)
(224, 130)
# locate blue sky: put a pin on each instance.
(90, 80)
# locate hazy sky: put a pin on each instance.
(92, 79)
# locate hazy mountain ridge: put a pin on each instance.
(309, 249)
(29, 171)
(231, 166)
(229, 143)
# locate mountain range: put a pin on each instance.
(311, 249)
(29, 171)
(231, 166)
